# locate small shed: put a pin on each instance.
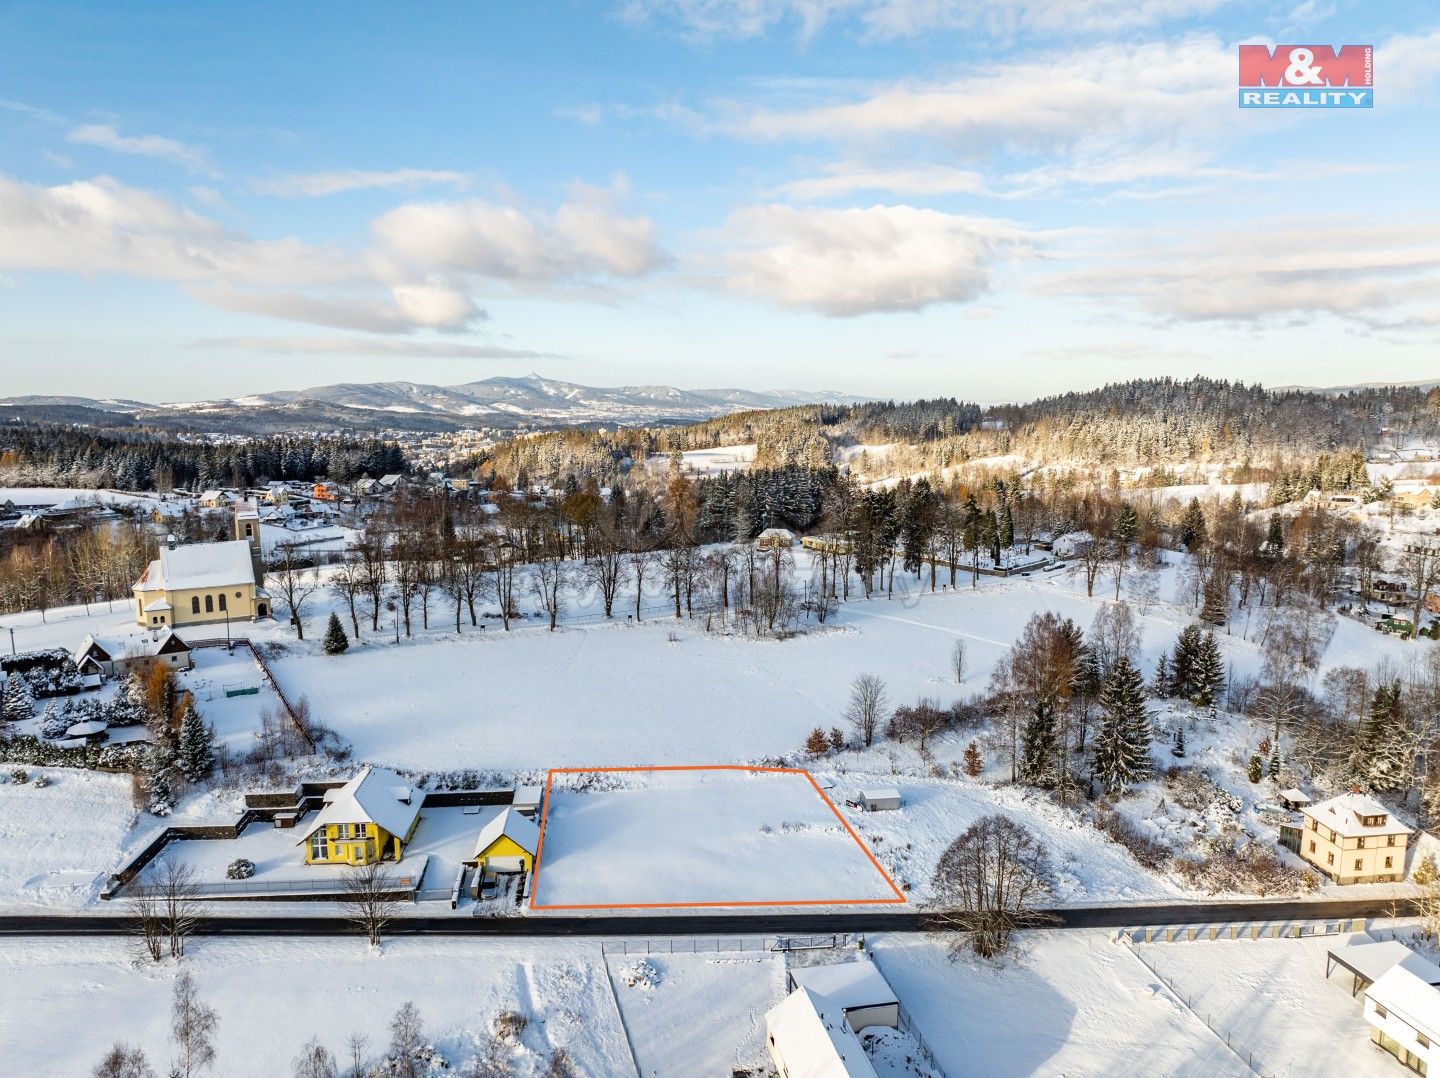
(1294, 800)
(775, 539)
(527, 799)
(880, 799)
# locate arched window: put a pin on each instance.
(222, 602)
(209, 604)
(194, 604)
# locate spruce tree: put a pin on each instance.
(161, 798)
(1215, 604)
(1179, 750)
(1182, 661)
(1255, 771)
(1192, 526)
(336, 642)
(1207, 674)
(1380, 756)
(1037, 764)
(974, 765)
(195, 755)
(1273, 768)
(1122, 747)
(1160, 682)
(19, 705)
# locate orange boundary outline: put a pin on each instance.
(545, 814)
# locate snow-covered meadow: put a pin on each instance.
(700, 837)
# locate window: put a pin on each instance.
(209, 604)
(194, 604)
(1359, 864)
(222, 602)
(1330, 858)
(1360, 842)
(1332, 836)
(1422, 1040)
(1389, 862)
(320, 846)
(1381, 1012)
(1312, 845)
(1389, 840)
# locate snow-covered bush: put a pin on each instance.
(1252, 868)
(19, 776)
(240, 869)
(1148, 851)
(42, 780)
(54, 723)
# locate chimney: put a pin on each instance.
(1355, 788)
(171, 542)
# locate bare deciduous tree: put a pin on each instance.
(957, 661)
(192, 1029)
(356, 1045)
(297, 581)
(124, 1061)
(315, 1061)
(407, 1033)
(369, 901)
(988, 881)
(867, 706)
(149, 928)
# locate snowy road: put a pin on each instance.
(803, 923)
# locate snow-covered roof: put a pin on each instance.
(373, 796)
(529, 795)
(156, 604)
(776, 533)
(200, 565)
(125, 647)
(880, 793)
(1408, 997)
(510, 824)
(1295, 796)
(813, 1039)
(1342, 815)
(847, 984)
(1372, 958)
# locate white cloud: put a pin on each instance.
(1275, 272)
(858, 261)
(848, 177)
(586, 236)
(419, 273)
(158, 146)
(890, 19)
(371, 346)
(320, 184)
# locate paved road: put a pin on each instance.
(766, 924)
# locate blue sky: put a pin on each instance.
(887, 197)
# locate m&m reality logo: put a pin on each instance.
(1307, 77)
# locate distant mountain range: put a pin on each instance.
(531, 401)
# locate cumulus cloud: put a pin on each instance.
(419, 273)
(857, 261)
(158, 146)
(1371, 273)
(339, 181)
(585, 236)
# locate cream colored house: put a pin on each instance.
(1354, 839)
(198, 583)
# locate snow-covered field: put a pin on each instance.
(1069, 1003)
(68, 1001)
(695, 1013)
(1272, 998)
(62, 840)
(729, 458)
(701, 837)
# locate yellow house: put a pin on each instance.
(369, 819)
(1353, 839)
(507, 844)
